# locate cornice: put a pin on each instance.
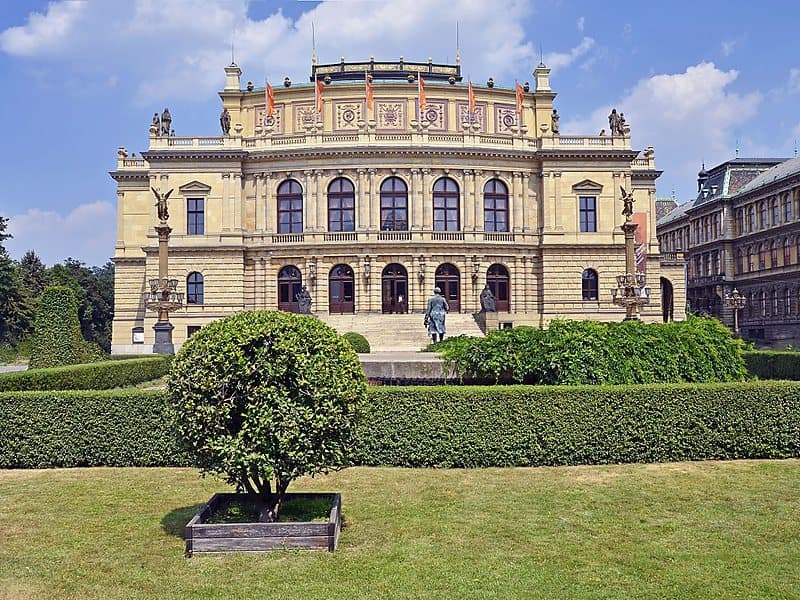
(627, 155)
(129, 175)
(388, 151)
(162, 155)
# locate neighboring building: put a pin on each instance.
(742, 231)
(371, 207)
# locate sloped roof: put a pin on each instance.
(784, 169)
(676, 213)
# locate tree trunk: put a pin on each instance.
(272, 502)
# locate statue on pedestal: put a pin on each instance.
(435, 315)
(163, 212)
(225, 122)
(614, 123)
(304, 301)
(627, 201)
(487, 300)
(155, 126)
(166, 122)
(555, 126)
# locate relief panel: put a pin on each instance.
(347, 115)
(276, 120)
(304, 115)
(390, 115)
(505, 118)
(478, 117)
(435, 114)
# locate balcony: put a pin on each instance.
(364, 237)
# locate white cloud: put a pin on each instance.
(581, 24)
(688, 117)
(793, 85)
(178, 48)
(728, 46)
(87, 233)
(560, 60)
(44, 33)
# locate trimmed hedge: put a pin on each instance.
(445, 426)
(118, 428)
(359, 343)
(587, 352)
(773, 365)
(91, 376)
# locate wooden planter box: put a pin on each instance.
(202, 537)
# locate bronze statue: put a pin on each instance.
(435, 315)
(613, 123)
(304, 301)
(487, 300)
(225, 122)
(166, 121)
(163, 213)
(155, 126)
(621, 124)
(556, 119)
(627, 201)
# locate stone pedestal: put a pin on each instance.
(163, 343)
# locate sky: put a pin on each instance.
(695, 80)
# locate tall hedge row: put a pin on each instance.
(91, 376)
(117, 428)
(766, 364)
(445, 426)
(587, 352)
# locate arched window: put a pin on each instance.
(751, 259)
(787, 302)
(500, 283)
(762, 256)
(787, 252)
(589, 284)
(774, 303)
(776, 215)
(394, 205)
(290, 281)
(762, 207)
(739, 262)
(495, 206)
(194, 288)
(341, 205)
(773, 254)
(290, 207)
(763, 303)
(751, 217)
(445, 205)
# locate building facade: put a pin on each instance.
(369, 204)
(742, 231)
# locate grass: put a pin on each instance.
(683, 530)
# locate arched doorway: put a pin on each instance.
(341, 290)
(394, 289)
(289, 283)
(667, 300)
(499, 282)
(448, 278)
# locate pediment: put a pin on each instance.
(589, 186)
(195, 187)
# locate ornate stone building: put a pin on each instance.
(742, 231)
(369, 204)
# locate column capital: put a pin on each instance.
(415, 171)
(361, 171)
(226, 175)
(467, 172)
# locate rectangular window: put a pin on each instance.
(787, 208)
(195, 216)
(138, 335)
(588, 214)
(191, 330)
(775, 212)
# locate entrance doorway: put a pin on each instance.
(667, 300)
(498, 280)
(341, 290)
(448, 279)
(394, 289)
(289, 283)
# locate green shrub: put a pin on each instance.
(766, 364)
(359, 343)
(57, 338)
(118, 428)
(444, 426)
(92, 376)
(587, 352)
(263, 398)
(452, 426)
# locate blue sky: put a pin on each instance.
(81, 78)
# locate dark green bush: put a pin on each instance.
(766, 364)
(57, 338)
(265, 397)
(445, 426)
(452, 426)
(92, 376)
(587, 352)
(116, 428)
(359, 343)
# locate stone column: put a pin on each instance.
(427, 208)
(261, 287)
(309, 215)
(526, 209)
(270, 206)
(477, 177)
(321, 201)
(516, 195)
(226, 203)
(557, 197)
(374, 201)
(415, 201)
(469, 201)
(363, 202)
(121, 219)
(258, 207)
(238, 204)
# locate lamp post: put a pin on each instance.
(631, 291)
(735, 300)
(163, 296)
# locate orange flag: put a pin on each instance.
(421, 87)
(471, 97)
(318, 94)
(520, 91)
(368, 85)
(270, 95)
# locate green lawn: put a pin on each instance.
(684, 530)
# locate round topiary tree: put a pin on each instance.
(359, 343)
(57, 335)
(264, 397)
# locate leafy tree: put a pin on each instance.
(33, 273)
(16, 308)
(3, 235)
(262, 398)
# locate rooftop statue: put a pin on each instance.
(554, 128)
(166, 122)
(614, 123)
(155, 126)
(225, 122)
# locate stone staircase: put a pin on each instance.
(398, 333)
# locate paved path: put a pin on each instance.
(400, 356)
(10, 368)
